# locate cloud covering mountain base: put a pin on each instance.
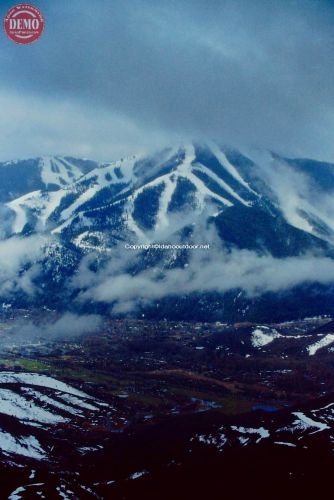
(70, 246)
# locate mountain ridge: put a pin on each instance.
(197, 193)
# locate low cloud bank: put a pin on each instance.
(216, 270)
(66, 326)
(19, 263)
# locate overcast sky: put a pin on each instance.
(111, 77)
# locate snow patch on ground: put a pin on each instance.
(137, 475)
(27, 446)
(261, 338)
(285, 443)
(303, 423)
(77, 402)
(42, 380)
(261, 431)
(17, 406)
(217, 441)
(52, 402)
(325, 341)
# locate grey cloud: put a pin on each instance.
(296, 192)
(253, 73)
(6, 220)
(18, 266)
(33, 126)
(208, 271)
(67, 325)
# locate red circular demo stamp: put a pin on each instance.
(24, 23)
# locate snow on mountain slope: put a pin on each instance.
(19, 206)
(221, 183)
(58, 171)
(144, 191)
(168, 183)
(21, 177)
(148, 219)
(117, 175)
(149, 199)
(76, 189)
(305, 202)
(232, 170)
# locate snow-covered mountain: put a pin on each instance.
(141, 196)
(20, 177)
(203, 194)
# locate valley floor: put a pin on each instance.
(146, 409)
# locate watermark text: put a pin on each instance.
(167, 246)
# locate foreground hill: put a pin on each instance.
(147, 409)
